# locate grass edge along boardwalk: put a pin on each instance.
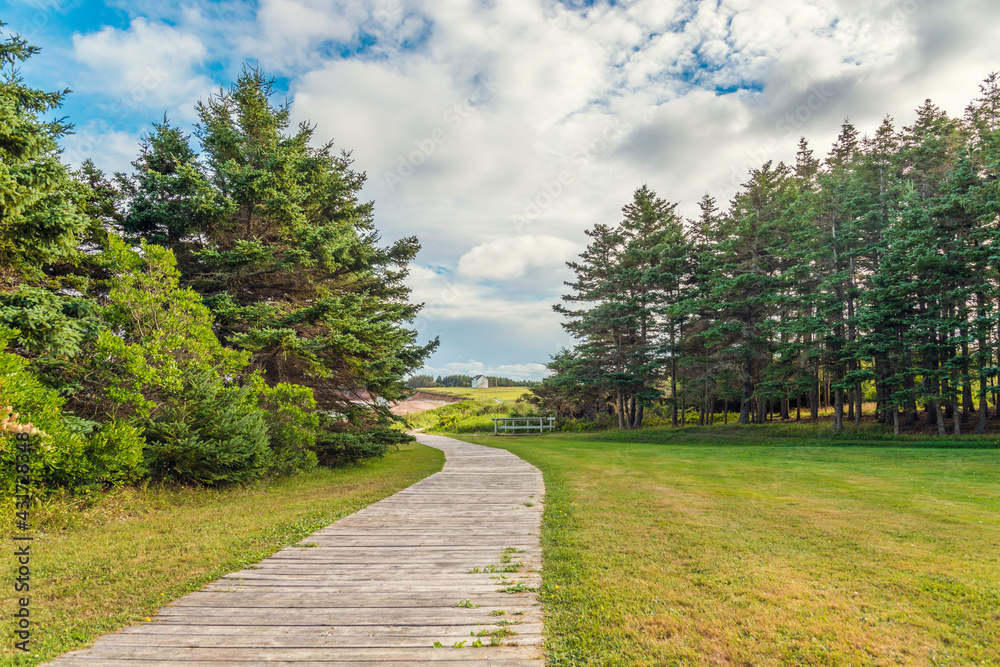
(733, 551)
(400, 582)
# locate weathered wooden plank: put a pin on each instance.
(419, 655)
(359, 640)
(376, 588)
(532, 627)
(294, 600)
(454, 659)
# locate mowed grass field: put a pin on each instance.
(503, 394)
(111, 562)
(719, 553)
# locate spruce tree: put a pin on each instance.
(268, 228)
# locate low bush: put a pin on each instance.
(468, 416)
(209, 433)
(351, 445)
(68, 452)
(292, 424)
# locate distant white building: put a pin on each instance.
(480, 382)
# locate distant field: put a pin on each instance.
(717, 553)
(500, 393)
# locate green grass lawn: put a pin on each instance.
(503, 394)
(708, 551)
(102, 565)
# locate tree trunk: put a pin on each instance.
(984, 405)
(814, 397)
(747, 392)
(910, 385)
(947, 403)
(620, 406)
(849, 395)
(966, 377)
(838, 410)
(673, 381)
(859, 396)
(939, 416)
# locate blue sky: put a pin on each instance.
(497, 132)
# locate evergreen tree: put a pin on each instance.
(270, 231)
(747, 284)
(41, 220)
(626, 275)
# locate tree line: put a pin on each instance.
(424, 381)
(870, 276)
(211, 316)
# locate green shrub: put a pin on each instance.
(349, 446)
(602, 423)
(115, 450)
(46, 322)
(292, 424)
(69, 452)
(208, 433)
(158, 335)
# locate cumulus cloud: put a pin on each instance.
(151, 64)
(497, 132)
(111, 150)
(508, 258)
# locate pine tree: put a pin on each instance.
(270, 231)
(40, 217)
(626, 277)
(747, 286)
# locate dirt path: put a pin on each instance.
(421, 401)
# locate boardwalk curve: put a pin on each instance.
(378, 588)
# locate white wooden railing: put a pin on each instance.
(505, 425)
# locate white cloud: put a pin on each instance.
(473, 367)
(508, 258)
(147, 65)
(585, 104)
(447, 296)
(111, 150)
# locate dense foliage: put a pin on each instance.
(217, 315)
(872, 275)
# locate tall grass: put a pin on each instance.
(468, 416)
(102, 563)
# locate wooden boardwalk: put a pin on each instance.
(379, 587)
